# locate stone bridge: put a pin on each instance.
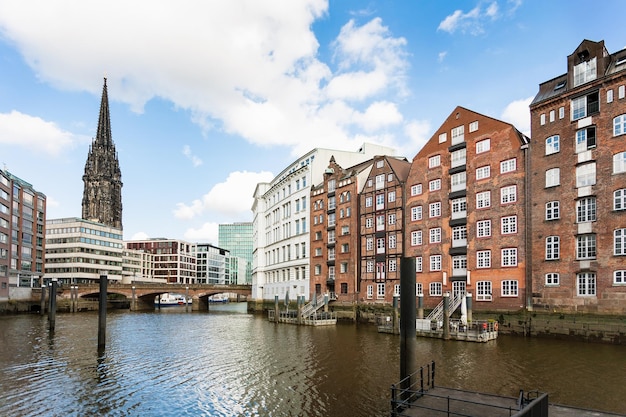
(141, 295)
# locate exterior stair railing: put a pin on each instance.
(313, 305)
(437, 313)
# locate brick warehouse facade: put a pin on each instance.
(381, 218)
(578, 182)
(465, 212)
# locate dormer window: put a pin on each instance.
(585, 72)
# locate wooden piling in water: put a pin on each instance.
(408, 331)
(102, 312)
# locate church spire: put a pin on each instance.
(102, 195)
(103, 135)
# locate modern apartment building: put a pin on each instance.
(578, 184)
(22, 228)
(381, 221)
(137, 266)
(78, 251)
(237, 239)
(465, 205)
(335, 260)
(173, 260)
(281, 220)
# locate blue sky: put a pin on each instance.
(208, 98)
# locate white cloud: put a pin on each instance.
(466, 22)
(196, 161)
(140, 236)
(33, 133)
(441, 56)
(207, 233)
(418, 131)
(518, 114)
(492, 10)
(246, 67)
(233, 197)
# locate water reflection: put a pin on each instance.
(230, 363)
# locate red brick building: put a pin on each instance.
(465, 208)
(578, 183)
(381, 214)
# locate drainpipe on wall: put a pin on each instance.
(528, 287)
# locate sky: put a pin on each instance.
(209, 98)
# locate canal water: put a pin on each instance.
(230, 363)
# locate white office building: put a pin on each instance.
(281, 222)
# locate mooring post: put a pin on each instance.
(42, 303)
(420, 306)
(326, 303)
(446, 316)
(408, 334)
(468, 300)
(395, 322)
(276, 311)
(53, 304)
(102, 311)
(187, 299)
(133, 300)
(300, 302)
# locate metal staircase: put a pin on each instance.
(313, 305)
(455, 302)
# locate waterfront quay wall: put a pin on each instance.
(557, 325)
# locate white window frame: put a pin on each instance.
(370, 292)
(416, 189)
(484, 291)
(586, 175)
(553, 248)
(419, 264)
(380, 290)
(508, 165)
(416, 213)
(434, 185)
(553, 177)
(586, 210)
(508, 257)
(483, 228)
(473, 126)
(483, 259)
(553, 144)
(434, 161)
(619, 125)
(483, 146)
(586, 284)
(553, 210)
(586, 246)
(619, 277)
(509, 288)
(435, 263)
(457, 135)
(508, 225)
(483, 172)
(434, 209)
(552, 279)
(508, 194)
(369, 244)
(416, 238)
(483, 199)
(435, 289)
(619, 199)
(619, 162)
(434, 235)
(619, 242)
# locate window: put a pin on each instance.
(483, 259)
(509, 288)
(434, 209)
(609, 96)
(380, 270)
(585, 72)
(434, 185)
(345, 248)
(318, 269)
(508, 225)
(553, 177)
(483, 172)
(458, 180)
(619, 162)
(586, 210)
(552, 116)
(483, 145)
(508, 165)
(459, 263)
(434, 161)
(552, 278)
(619, 125)
(416, 213)
(370, 266)
(393, 267)
(508, 194)
(483, 291)
(443, 137)
(509, 257)
(380, 181)
(619, 199)
(586, 246)
(586, 284)
(585, 139)
(435, 289)
(418, 264)
(619, 242)
(473, 127)
(368, 201)
(483, 228)
(345, 230)
(483, 199)
(552, 210)
(542, 119)
(318, 251)
(586, 174)
(344, 287)
(619, 277)
(435, 235)
(370, 292)
(435, 263)
(561, 112)
(620, 92)
(552, 248)
(416, 189)
(343, 267)
(380, 164)
(585, 106)
(459, 233)
(369, 222)
(392, 219)
(380, 245)
(459, 205)
(458, 135)
(552, 144)
(380, 290)
(380, 222)
(331, 220)
(416, 238)
(369, 243)
(391, 196)
(458, 158)
(392, 241)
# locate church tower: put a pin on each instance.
(102, 196)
